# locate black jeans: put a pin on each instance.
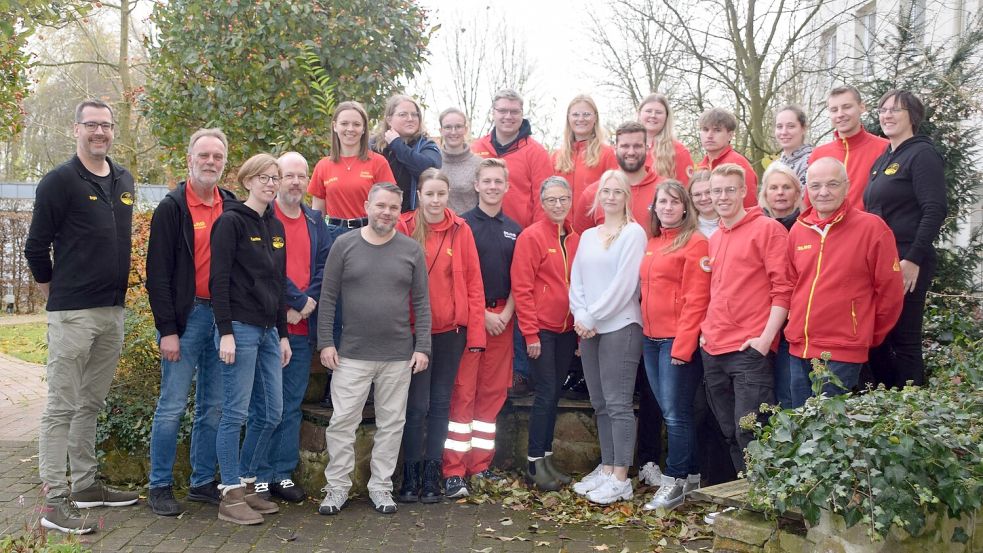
(737, 384)
(548, 372)
(712, 449)
(899, 358)
(429, 401)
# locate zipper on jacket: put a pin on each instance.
(846, 153)
(823, 233)
(562, 239)
(853, 315)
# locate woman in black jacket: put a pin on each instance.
(402, 139)
(907, 189)
(248, 276)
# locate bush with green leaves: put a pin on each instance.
(883, 458)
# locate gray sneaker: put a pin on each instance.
(673, 492)
(383, 502)
(333, 502)
(61, 515)
(99, 495)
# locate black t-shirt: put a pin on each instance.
(494, 238)
(104, 182)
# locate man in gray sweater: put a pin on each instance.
(378, 273)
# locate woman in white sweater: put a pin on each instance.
(604, 299)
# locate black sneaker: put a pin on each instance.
(455, 487)
(206, 493)
(577, 390)
(61, 515)
(100, 495)
(162, 502)
(288, 491)
(487, 475)
(520, 387)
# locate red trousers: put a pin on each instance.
(483, 380)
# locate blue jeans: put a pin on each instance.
(520, 360)
(255, 377)
(848, 373)
(675, 388)
(284, 451)
(199, 361)
(783, 374)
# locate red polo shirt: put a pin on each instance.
(203, 216)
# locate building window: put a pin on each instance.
(914, 13)
(829, 49)
(866, 42)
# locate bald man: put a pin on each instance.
(847, 304)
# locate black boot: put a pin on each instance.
(432, 473)
(409, 490)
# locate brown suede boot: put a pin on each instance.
(259, 504)
(234, 508)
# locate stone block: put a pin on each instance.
(310, 470)
(745, 527)
(727, 545)
(790, 542)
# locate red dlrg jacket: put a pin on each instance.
(541, 278)
(675, 290)
(458, 298)
(858, 153)
(848, 288)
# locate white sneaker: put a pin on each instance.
(382, 501)
(333, 502)
(650, 474)
(611, 490)
(589, 482)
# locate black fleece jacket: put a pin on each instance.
(907, 190)
(249, 269)
(90, 233)
(171, 261)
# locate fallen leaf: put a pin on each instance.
(485, 550)
(663, 542)
(602, 547)
(489, 529)
(542, 544)
(291, 537)
(505, 521)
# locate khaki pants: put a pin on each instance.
(83, 350)
(350, 384)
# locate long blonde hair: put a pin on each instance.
(592, 153)
(379, 136)
(622, 180)
(664, 144)
(422, 227)
(688, 224)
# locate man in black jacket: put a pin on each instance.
(83, 212)
(178, 259)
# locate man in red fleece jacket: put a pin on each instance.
(848, 290)
(749, 298)
(527, 160)
(851, 144)
(717, 127)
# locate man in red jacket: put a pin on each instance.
(848, 303)
(631, 150)
(527, 160)
(717, 127)
(851, 144)
(749, 298)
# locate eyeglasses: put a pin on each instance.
(582, 114)
(512, 112)
(832, 185)
(892, 111)
(728, 191)
(611, 192)
(91, 126)
(265, 179)
(452, 128)
(562, 200)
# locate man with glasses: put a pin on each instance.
(630, 148)
(851, 143)
(83, 213)
(528, 162)
(849, 303)
(178, 268)
(749, 299)
(307, 243)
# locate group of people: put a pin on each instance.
(421, 272)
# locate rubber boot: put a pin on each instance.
(556, 473)
(409, 490)
(432, 473)
(538, 475)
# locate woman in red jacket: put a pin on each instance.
(457, 310)
(584, 155)
(675, 286)
(541, 287)
(667, 156)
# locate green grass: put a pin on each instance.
(27, 342)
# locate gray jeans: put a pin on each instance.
(83, 349)
(610, 364)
